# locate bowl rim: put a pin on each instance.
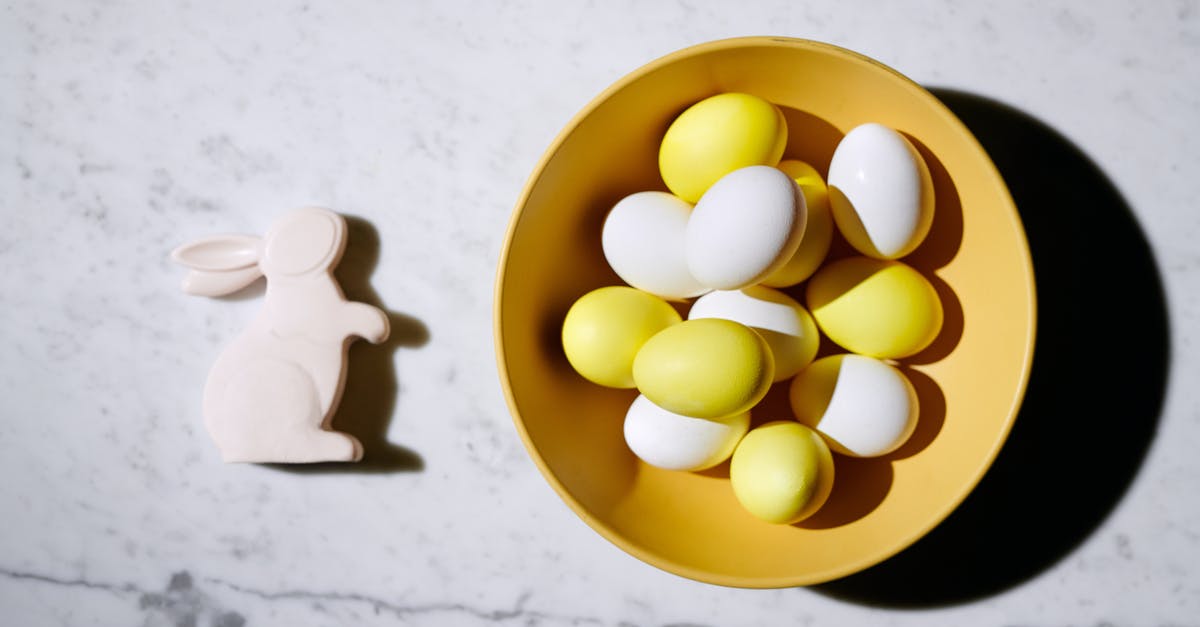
(936, 517)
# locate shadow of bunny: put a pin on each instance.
(371, 389)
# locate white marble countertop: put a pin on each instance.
(128, 127)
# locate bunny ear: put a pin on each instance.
(206, 283)
(220, 253)
(221, 264)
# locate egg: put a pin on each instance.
(818, 230)
(782, 472)
(674, 442)
(704, 368)
(643, 242)
(880, 192)
(875, 307)
(786, 326)
(746, 226)
(860, 405)
(604, 330)
(716, 136)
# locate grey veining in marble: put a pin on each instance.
(130, 126)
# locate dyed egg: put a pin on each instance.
(605, 328)
(861, 406)
(674, 442)
(746, 226)
(717, 136)
(643, 241)
(782, 472)
(818, 230)
(880, 192)
(786, 326)
(873, 307)
(705, 368)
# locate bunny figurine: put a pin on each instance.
(272, 393)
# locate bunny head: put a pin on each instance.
(303, 242)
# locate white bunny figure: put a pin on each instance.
(272, 393)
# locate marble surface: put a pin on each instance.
(128, 127)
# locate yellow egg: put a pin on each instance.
(818, 234)
(782, 472)
(716, 136)
(606, 327)
(786, 326)
(708, 368)
(878, 308)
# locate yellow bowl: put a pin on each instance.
(970, 381)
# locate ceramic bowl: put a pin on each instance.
(970, 382)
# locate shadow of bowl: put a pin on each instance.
(1095, 391)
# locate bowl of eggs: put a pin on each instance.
(765, 313)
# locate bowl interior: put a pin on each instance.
(970, 381)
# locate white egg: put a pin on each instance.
(860, 405)
(747, 225)
(784, 323)
(880, 192)
(674, 442)
(643, 241)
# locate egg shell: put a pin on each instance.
(879, 308)
(705, 368)
(643, 242)
(746, 226)
(880, 192)
(674, 442)
(861, 406)
(818, 229)
(784, 323)
(605, 328)
(717, 136)
(782, 472)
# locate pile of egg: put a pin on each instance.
(739, 223)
